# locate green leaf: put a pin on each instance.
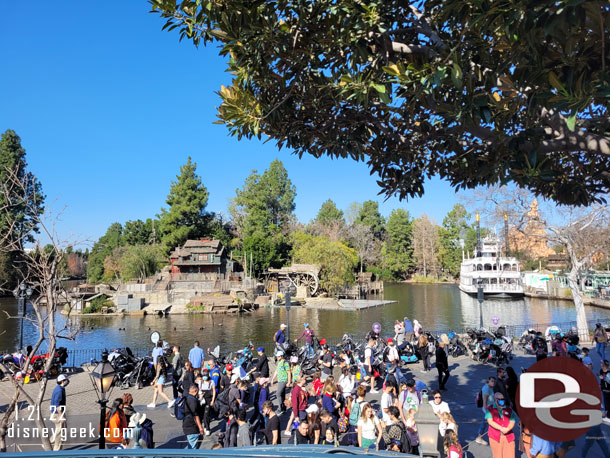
(380, 88)
(392, 70)
(384, 98)
(456, 76)
(555, 82)
(571, 122)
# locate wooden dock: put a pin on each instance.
(362, 304)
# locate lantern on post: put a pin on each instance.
(102, 378)
(427, 427)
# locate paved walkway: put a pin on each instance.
(466, 380)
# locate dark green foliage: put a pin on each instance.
(261, 211)
(476, 92)
(370, 216)
(21, 203)
(95, 306)
(330, 214)
(456, 227)
(398, 260)
(140, 232)
(185, 218)
(104, 247)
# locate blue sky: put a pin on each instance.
(108, 107)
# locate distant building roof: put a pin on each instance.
(202, 243)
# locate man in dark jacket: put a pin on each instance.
(442, 366)
(58, 409)
(262, 366)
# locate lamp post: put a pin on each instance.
(22, 293)
(427, 426)
(102, 378)
(480, 298)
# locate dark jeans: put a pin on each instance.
(600, 348)
(175, 388)
(206, 412)
(443, 376)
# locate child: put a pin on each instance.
(447, 423)
(330, 438)
(412, 431)
(586, 359)
(317, 384)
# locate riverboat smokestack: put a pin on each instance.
(477, 219)
(506, 248)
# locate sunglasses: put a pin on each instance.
(437, 397)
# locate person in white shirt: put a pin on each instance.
(394, 360)
(438, 405)
(157, 351)
(409, 399)
(346, 382)
(368, 364)
(369, 427)
(447, 423)
(387, 401)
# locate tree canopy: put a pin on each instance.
(399, 246)
(330, 214)
(477, 92)
(455, 227)
(185, 217)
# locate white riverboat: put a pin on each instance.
(498, 275)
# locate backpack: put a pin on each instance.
(180, 408)
(405, 442)
(343, 423)
(354, 414)
(147, 433)
(479, 399)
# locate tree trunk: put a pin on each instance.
(4, 423)
(579, 305)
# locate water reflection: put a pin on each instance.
(435, 306)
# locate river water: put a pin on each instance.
(437, 307)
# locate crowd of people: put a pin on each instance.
(251, 406)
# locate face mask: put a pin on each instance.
(205, 378)
(500, 402)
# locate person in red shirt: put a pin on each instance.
(299, 399)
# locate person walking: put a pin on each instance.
(487, 400)
(501, 421)
(299, 399)
(58, 409)
(157, 351)
(158, 382)
(280, 336)
(595, 435)
(600, 337)
(500, 386)
(115, 423)
(393, 361)
(207, 397)
(177, 370)
(196, 356)
(191, 424)
(442, 366)
(422, 345)
(308, 334)
(188, 377)
(284, 377)
(354, 415)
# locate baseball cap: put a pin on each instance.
(312, 408)
(229, 367)
(261, 349)
(306, 325)
(282, 325)
(322, 341)
(62, 377)
(280, 353)
(390, 340)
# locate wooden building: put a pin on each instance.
(203, 259)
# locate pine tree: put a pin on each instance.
(186, 216)
(399, 245)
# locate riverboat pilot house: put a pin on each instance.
(203, 259)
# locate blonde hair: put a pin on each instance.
(411, 413)
(329, 387)
(365, 407)
(451, 439)
(447, 418)
(423, 340)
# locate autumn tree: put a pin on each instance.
(477, 93)
(425, 245)
(337, 261)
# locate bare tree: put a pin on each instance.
(426, 244)
(39, 268)
(365, 243)
(582, 231)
